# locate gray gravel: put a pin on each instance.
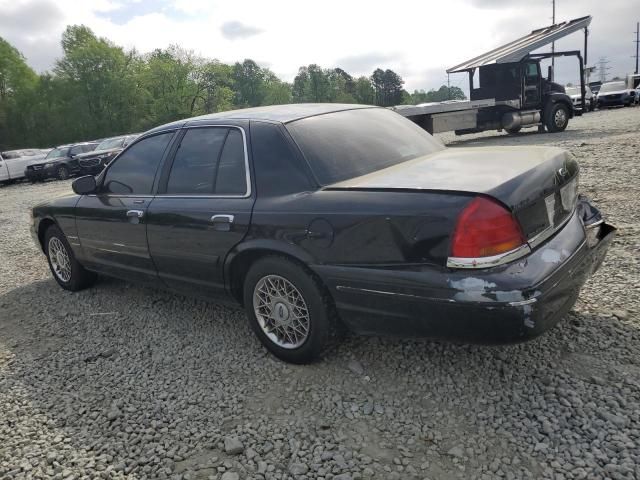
(120, 381)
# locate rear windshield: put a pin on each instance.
(572, 90)
(351, 143)
(612, 87)
(57, 152)
(110, 143)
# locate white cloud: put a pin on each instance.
(235, 30)
(419, 43)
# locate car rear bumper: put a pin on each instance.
(505, 304)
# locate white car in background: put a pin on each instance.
(576, 97)
(14, 162)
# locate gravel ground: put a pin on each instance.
(120, 381)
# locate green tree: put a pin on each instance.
(17, 84)
(387, 85)
(249, 83)
(364, 92)
(102, 88)
(277, 92)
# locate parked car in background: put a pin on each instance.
(14, 162)
(92, 163)
(576, 97)
(613, 94)
(60, 163)
(314, 214)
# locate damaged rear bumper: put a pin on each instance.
(509, 303)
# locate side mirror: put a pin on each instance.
(84, 185)
(550, 73)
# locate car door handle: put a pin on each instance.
(135, 213)
(222, 222)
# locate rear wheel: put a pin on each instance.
(288, 309)
(556, 118)
(62, 173)
(66, 270)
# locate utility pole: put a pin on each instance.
(637, 42)
(602, 69)
(586, 58)
(553, 44)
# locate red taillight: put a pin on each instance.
(485, 228)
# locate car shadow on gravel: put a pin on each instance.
(120, 368)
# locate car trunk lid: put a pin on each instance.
(538, 184)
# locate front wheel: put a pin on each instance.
(66, 270)
(288, 309)
(62, 173)
(556, 118)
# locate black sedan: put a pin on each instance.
(93, 162)
(60, 163)
(315, 216)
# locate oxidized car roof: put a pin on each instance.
(273, 113)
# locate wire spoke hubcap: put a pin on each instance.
(281, 311)
(59, 258)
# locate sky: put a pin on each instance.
(417, 39)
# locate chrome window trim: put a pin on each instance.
(248, 192)
(492, 261)
(101, 176)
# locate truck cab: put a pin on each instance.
(522, 95)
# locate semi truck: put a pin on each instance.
(510, 91)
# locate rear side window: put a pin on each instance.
(194, 167)
(132, 173)
(209, 161)
(279, 169)
(231, 178)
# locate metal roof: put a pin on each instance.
(520, 48)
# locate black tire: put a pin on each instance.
(592, 106)
(556, 118)
(62, 172)
(322, 319)
(512, 131)
(80, 278)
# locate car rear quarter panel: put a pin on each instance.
(360, 227)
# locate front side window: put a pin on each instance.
(132, 173)
(209, 161)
